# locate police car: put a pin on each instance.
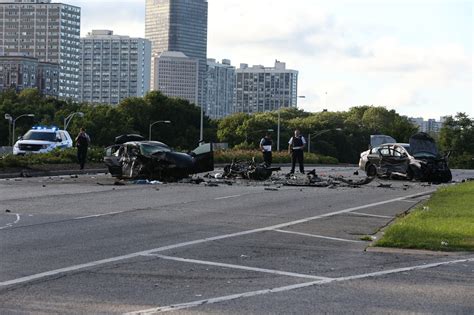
(41, 139)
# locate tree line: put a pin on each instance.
(343, 135)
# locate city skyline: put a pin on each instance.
(411, 56)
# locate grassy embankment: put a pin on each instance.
(95, 155)
(444, 223)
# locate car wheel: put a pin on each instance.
(371, 170)
(410, 174)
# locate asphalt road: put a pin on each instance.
(84, 245)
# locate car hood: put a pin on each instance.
(377, 140)
(423, 143)
(37, 142)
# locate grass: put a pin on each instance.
(444, 223)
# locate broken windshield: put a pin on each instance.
(152, 148)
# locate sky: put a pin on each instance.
(414, 56)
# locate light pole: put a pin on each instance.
(318, 134)
(10, 120)
(201, 128)
(154, 123)
(68, 119)
(278, 132)
(14, 122)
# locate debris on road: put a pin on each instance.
(249, 170)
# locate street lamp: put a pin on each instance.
(68, 119)
(318, 134)
(10, 120)
(14, 122)
(154, 123)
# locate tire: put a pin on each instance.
(371, 170)
(410, 174)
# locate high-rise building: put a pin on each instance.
(179, 25)
(20, 72)
(176, 75)
(113, 67)
(262, 89)
(47, 31)
(220, 88)
(428, 126)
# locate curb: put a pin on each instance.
(38, 173)
(391, 250)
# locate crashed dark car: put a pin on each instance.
(419, 160)
(132, 157)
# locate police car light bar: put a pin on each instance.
(53, 128)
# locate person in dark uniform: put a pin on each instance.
(82, 143)
(296, 147)
(266, 148)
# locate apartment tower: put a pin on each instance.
(113, 67)
(49, 32)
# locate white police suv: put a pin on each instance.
(41, 140)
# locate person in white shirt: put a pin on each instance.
(296, 147)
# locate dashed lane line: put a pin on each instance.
(227, 197)
(182, 306)
(233, 266)
(319, 236)
(97, 263)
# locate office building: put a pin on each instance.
(113, 67)
(47, 31)
(20, 72)
(179, 25)
(220, 88)
(262, 89)
(177, 75)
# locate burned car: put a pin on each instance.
(419, 159)
(132, 157)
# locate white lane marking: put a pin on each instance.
(184, 244)
(227, 197)
(320, 236)
(8, 225)
(99, 215)
(181, 306)
(372, 215)
(232, 266)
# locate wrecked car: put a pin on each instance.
(249, 170)
(418, 160)
(132, 157)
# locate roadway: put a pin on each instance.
(84, 245)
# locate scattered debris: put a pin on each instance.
(381, 185)
(271, 189)
(249, 170)
(8, 211)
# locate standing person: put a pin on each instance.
(266, 148)
(295, 149)
(82, 143)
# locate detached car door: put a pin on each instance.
(203, 158)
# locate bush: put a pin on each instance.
(227, 156)
(66, 156)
